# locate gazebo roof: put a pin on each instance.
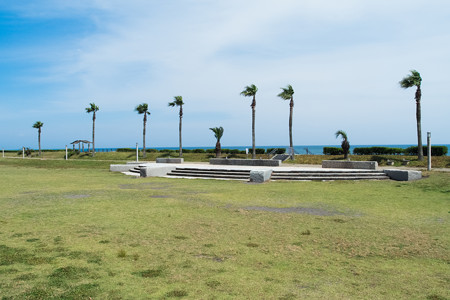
(80, 141)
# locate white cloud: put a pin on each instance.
(343, 58)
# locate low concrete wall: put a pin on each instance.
(156, 171)
(124, 168)
(245, 162)
(260, 175)
(346, 164)
(120, 168)
(167, 160)
(403, 175)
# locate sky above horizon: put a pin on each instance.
(344, 60)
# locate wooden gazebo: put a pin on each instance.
(81, 144)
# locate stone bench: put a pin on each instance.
(346, 164)
(245, 162)
(168, 160)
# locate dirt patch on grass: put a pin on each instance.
(298, 210)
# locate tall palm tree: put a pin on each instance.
(345, 144)
(143, 109)
(218, 133)
(39, 125)
(178, 101)
(409, 81)
(93, 109)
(288, 94)
(250, 91)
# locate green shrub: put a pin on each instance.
(198, 151)
(125, 149)
(151, 150)
(212, 151)
(332, 151)
(377, 151)
(260, 151)
(435, 150)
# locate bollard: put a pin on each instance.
(66, 153)
(429, 150)
(137, 153)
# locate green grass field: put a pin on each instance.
(73, 230)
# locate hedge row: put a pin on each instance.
(332, 151)
(435, 150)
(378, 151)
(224, 150)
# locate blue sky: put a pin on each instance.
(344, 60)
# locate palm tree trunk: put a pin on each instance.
(93, 135)
(143, 134)
(179, 131)
(39, 140)
(253, 128)
(291, 143)
(419, 126)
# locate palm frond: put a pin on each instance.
(178, 101)
(92, 108)
(218, 132)
(342, 134)
(249, 91)
(286, 93)
(38, 124)
(411, 80)
(142, 108)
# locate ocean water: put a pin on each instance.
(306, 149)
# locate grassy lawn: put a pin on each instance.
(73, 230)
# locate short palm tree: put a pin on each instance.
(345, 144)
(178, 101)
(93, 109)
(218, 133)
(250, 91)
(288, 94)
(409, 81)
(39, 125)
(143, 109)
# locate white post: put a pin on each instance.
(3, 152)
(66, 153)
(23, 152)
(246, 152)
(429, 150)
(137, 153)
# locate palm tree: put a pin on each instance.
(39, 125)
(409, 81)
(250, 91)
(288, 94)
(345, 144)
(218, 133)
(178, 101)
(93, 108)
(143, 109)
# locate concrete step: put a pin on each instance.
(329, 175)
(281, 157)
(135, 170)
(210, 173)
(309, 178)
